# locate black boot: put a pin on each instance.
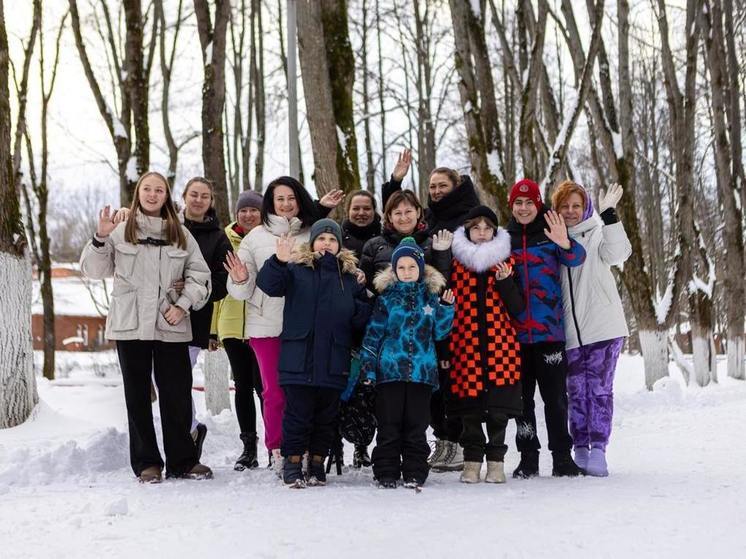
(248, 456)
(292, 472)
(528, 466)
(198, 436)
(316, 472)
(336, 457)
(563, 465)
(361, 458)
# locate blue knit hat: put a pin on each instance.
(409, 247)
(326, 226)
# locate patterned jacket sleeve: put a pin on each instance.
(373, 339)
(443, 320)
(573, 256)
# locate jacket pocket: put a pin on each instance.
(125, 255)
(293, 353)
(163, 324)
(341, 356)
(123, 312)
(176, 261)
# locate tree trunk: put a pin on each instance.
(136, 82)
(212, 39)
(370, 170)
(18, 394)
(259, 98)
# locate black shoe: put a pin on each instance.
(563, 465)
(387, 483)
(292, 471)
(337, 458)
(528, 466)
(248, 456)
(200, 432)
(361, 458)
(316, 471)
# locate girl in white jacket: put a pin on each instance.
(595, 326)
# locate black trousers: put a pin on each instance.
(310, 419)
(401, 445)
(473, 441)
(445, 427)
(169, 362)
(246, 380)
(544, 364)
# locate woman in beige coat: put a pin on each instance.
(150, 322)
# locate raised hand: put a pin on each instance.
(402, 165)
(448, 298)
(236, 268)
(332, 198)
(503, 271)
(610, 198)
(105, 224)
(174, 315)
(557, 231)
(285, 247)
(121, 215)
(360, 276)
(442, 240)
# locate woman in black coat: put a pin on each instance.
(362, 222)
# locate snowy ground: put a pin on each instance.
(676, 490)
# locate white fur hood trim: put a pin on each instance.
(481, 257)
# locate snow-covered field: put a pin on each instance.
(677, 489)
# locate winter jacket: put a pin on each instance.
(377, 253)
(228, 315)
(214, 246)
(593, 308)
(407, 320)
(263, 313)
(354, 237)
(448, 212)
(143, 277)
(486, 363)
(323, 305)
(537, 272)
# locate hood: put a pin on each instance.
(304, 256)
(481, 257)
(434, 280)
(456, 203)
(149, 226)
(588, 224)
(280, 225)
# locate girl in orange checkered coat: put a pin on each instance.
(485, 383)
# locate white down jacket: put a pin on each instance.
(592, 306)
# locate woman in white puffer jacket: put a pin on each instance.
(595, 326)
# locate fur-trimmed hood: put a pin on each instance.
(434, 280)
(481, 257)
(303, 255)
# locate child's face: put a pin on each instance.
(481, 233)
(524, 210)
(326, 242)
(407, 269)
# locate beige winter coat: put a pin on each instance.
(143, 275)
(263, 313)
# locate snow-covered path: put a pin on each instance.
(677, 489)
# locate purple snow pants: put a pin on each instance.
(590, 382)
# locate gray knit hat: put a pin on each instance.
(326, 226)
(249, 199)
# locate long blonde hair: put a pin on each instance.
(174, 232)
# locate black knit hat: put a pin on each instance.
(481, 211)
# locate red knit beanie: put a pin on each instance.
(526, 188)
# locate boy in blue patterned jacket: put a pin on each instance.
(539, 245)
(398, 355)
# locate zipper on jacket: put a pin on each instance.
(572, 306)
(528, 285)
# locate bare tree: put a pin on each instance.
(18, 394)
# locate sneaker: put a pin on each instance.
(495, 472)
(316, 472)
(292, 471)
(198, 436)
(596, 465)
(151, 474)
(453, 458)
(248, 456)
(438, 452)
(581, 456)
(199, 471)
(471, 473)
(387, 483)
(277, 462)
(360, 457)
(563, 465)
(528, 466)
(412, 483)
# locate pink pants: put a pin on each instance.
(267, 352)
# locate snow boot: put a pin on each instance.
(248, 456)
(276, 462)
(151, 474)
(438, 453)
(528, 466)
(563, 465)
(361, 458)
(386, 483)
(453, 459)
(471, 473)
(412, 483)
(316, 471)
(198, 436)
(198, 471)
(581, 456)
(495, 472)
(292, 471)
(596, 466)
